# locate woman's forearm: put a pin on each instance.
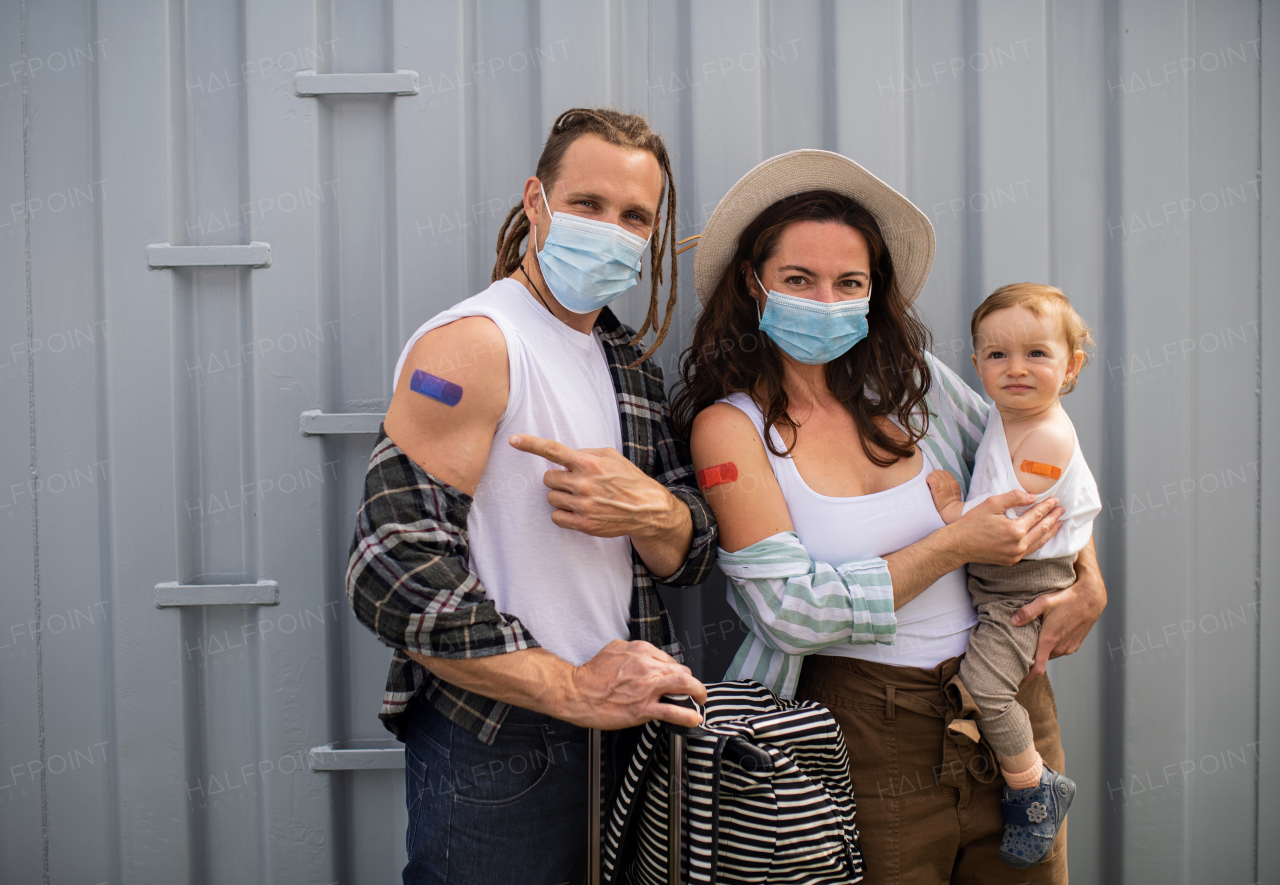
(914, 569)
(984, 534)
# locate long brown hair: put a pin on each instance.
(623, 130)
(884, 375)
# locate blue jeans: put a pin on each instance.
(513, 812)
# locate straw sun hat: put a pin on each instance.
(906, 229)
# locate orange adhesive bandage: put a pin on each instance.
(718, 475)
(1041, 469)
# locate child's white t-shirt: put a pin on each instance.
(1076, 490)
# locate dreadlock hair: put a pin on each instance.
(623, 130)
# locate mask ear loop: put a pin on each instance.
(759, 316)
(534, 245)
(548, 206)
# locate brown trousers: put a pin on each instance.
(928, 790)
(999, 653)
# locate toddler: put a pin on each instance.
(1030, 346)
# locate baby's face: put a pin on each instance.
(1022, 359)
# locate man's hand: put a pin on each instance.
(986, 535)
(1069, 614)
(621, 687)
(601, 493)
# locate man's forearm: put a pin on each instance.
(664, 547)
(1090, 587)
(621, 686)
(1087, 566)
(532, 678)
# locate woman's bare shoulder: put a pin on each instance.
(722, 418)
(735, 476)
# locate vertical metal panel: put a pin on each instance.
(152, 435)
(20, 678)
(75, 713)
(1224, 161)
(1175, 566)
(1076, 195)
(142, 377)
(1269, 452)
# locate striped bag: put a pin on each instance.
(767, 797)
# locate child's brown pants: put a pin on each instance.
(928, 793)
(1000, 654)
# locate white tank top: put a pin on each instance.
(1075, 490)
(571, 590)
(932, 627)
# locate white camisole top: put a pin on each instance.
(932, 627)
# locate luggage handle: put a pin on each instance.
(675, 786)
(595, 785)
(675, 794)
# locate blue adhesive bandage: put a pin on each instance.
(437, 388)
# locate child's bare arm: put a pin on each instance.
(946, 495)
(1043, 454)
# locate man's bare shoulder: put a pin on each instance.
(470, 348)
(448, 424)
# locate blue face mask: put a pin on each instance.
(811, 332)
(588, 263)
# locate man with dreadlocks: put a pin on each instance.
(520, 601)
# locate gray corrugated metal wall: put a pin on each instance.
(151, 431)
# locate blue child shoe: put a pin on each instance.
(1032, 818)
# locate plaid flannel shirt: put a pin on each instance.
(409, 576)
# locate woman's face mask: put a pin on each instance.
(587, 263)
(812, 332)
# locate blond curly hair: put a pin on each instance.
(1042, 301)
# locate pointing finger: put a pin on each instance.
(555, 452)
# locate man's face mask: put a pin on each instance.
(588, 263)
(811, 332)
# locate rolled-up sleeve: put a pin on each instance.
(957, 420)
(409, 578)
(794, 606)
(799, 606)
(696, 567)
(675, 472)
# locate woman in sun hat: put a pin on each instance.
(815, 413)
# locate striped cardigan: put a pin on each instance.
(795, 606)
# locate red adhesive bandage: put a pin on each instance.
(718, 475)
(1041, 469)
